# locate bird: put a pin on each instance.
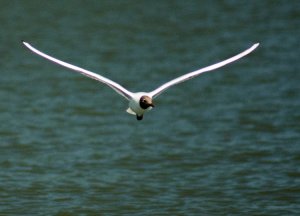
(140, 102)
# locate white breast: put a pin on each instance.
(134, 104)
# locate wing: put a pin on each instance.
(191, 75)
(115, 86)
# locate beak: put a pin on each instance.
(151, 104)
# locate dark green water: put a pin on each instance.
(226, 143)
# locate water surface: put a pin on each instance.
(226, 143)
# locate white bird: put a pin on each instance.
(140, 102)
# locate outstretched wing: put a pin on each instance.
(115, 86)
(191, 75)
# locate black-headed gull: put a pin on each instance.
(140, 102)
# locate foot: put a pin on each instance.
(139, 117)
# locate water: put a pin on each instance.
(226, 143)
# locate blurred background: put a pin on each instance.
(225, 143)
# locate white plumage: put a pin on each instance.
(140, 102)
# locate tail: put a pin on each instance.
(130, 111)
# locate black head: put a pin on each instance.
(146, 102)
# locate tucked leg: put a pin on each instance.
(139, 117)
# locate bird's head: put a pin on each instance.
(146, 102)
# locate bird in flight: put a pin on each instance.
(140, 102)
